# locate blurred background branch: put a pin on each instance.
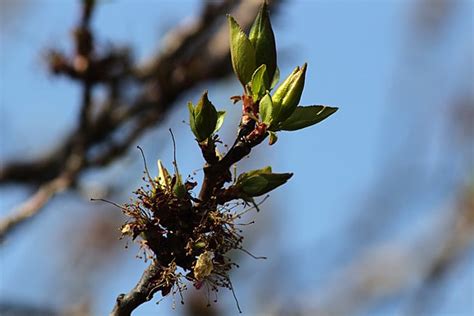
(192, 54)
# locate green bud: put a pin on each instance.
(305, 116)
(288, 94)
(166, 182)
(258, 182)
(203, 118)
(242, 52)
(179, 189)
(263, 40)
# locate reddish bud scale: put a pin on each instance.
(259, 130)
(248, 108)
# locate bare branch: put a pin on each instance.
(36, 202)
(141, 293)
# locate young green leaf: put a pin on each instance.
(259, 82)
(305, 116)
(275, 180)
(192, 122)
(258, 182)
(263, 40)
(248, 174)
(253, 186)
(220, 121)
(265, 109)
(242, 52)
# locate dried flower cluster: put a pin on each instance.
(176, 229)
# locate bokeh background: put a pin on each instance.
(378, 219)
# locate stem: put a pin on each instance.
(141, 293)
(216, 175)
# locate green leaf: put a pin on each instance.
(220, 121)
(288, 94)
(192, 122)
(275, 180)
(242, 52)
(258, 182)
(263, 40)
(248, 174)
(265, 109)
(259, 82)
(275, 79)
(272, 138)
(254, 185)
(305, 116)
(203, 118)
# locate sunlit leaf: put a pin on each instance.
(266, 108)
(259, 82)
(242, 52)
(263, 40)
(305, 116)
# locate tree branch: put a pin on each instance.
(32, 205)
(141, 293)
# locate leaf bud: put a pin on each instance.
(204, 118)
(258, 182)
(263, 40)
(288, 94)
(241, 51)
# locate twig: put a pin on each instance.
(141, 293)
(30, 207)
(217, 174)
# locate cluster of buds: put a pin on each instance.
(196, 233)
(254, 60)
